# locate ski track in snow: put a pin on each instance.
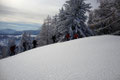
(93, 58)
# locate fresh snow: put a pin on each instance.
(93, 58)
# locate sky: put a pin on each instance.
(29, 14)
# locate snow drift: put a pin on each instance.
(94, 58)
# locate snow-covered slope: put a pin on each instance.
(94, 58)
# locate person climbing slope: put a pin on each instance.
(76, 36)
(54, 38)
(24, 46)
(67, 36)
(34, 43)
(12, 50)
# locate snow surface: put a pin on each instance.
(93, 58)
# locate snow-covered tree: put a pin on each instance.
(54, 23)
(106, 19)
(72, 19)
(60, 26)
(55, 27)
(4, 51)
(25, 42)
(5, 48)
(44, 37)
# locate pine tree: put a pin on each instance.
(106, 19)
(4, 51)
(72, 19)
(25, 42)
(55, 28)
(44, 38)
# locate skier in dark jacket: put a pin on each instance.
(12, 50)
(54, 38)
(34, 43)
(24, 46)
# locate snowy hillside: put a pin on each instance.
(94, 58)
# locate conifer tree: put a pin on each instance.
(44, 37)
(25, 43)
(106, 19)
(72, 19)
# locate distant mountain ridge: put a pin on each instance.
(14, 32)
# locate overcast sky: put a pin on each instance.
(29, 14)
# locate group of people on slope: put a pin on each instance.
(34, 43)
(67, 37)
(76, 36)
(13, 47)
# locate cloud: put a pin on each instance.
(8, 14)
(29, 11)
(94, 3)
(26, 14)
(4, 10)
